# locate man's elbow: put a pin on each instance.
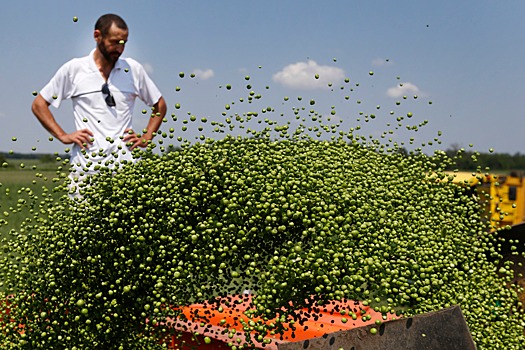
(34, 107)
(161, 105)
(38, 105)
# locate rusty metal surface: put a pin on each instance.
(444, 329)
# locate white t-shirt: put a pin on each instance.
(81, 81)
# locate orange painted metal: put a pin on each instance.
(221, 324)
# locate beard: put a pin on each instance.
(111, 57)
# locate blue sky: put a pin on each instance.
(465, 57)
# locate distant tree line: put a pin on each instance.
(470, 160)
(43, 157)
(467, 160)
(494, 161)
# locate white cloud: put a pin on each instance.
(403, 89)
(148, 67)
(381, 62)
(203, 74)
(302, 75)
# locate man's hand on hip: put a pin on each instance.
(133, 140)
(80, 137)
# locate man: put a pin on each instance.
(103, 88)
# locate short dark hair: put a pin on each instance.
(105, 21)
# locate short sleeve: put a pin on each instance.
(146, 88)
(58, 88)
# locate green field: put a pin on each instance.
(23, 185)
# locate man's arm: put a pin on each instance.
(40, 108)
(157, 115)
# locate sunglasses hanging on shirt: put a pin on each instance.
(110, 100)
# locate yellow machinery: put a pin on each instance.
(504, 194)
(507, 200)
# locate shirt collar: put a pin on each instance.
(92, 63)
(118, 65)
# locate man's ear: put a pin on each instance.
(97, 35)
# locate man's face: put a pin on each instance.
(112, 45)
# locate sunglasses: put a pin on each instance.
(110, 100)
